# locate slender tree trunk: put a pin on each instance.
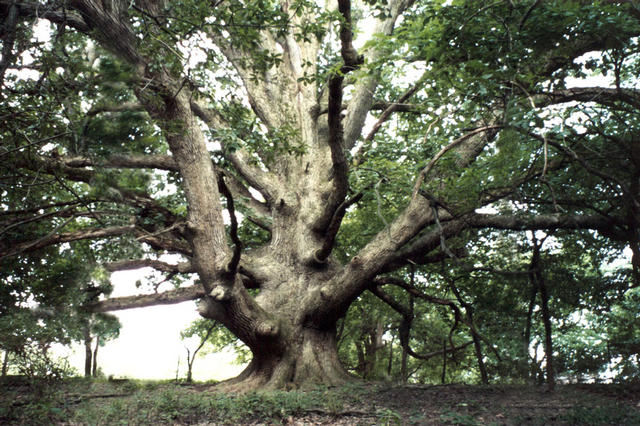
(633, 216)
(390, 364)
(443, 379)
(94, 369)
(404, 374)
(190, 360)
(87, 351)
(360, 353)
(404, 332)
(372, 347)
(527, 328)
(546, 315)
(548, 343)
(478, 350)
(5, 364)
(468, 311)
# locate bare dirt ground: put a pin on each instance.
(585, 404)
(502, 405)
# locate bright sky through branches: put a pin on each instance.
(149, 345)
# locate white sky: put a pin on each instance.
(149, 345)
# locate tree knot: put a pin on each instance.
(267, 328)
(220, 293)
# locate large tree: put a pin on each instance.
(243, 135)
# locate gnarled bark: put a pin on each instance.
(310, 357)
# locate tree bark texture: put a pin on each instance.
(310, 357)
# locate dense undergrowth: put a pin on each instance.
(132, 402)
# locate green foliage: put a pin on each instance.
(388, 417)
(42, 304)
(40, 367)
(40, 378)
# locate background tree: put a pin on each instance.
(204, 331)
(148, 123)
(211, 338)
(97, 329)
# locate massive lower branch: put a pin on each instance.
(170, 297)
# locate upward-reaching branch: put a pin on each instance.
(232, 267)
(264, 183)
(349, 55)
(362, 98)
(329, 222)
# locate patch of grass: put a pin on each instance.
(388, 417)
(271, 405)
(172, 404)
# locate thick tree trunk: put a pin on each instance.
(311, 357)
(404, 372)
(479, 357)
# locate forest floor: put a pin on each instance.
(80, 402)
